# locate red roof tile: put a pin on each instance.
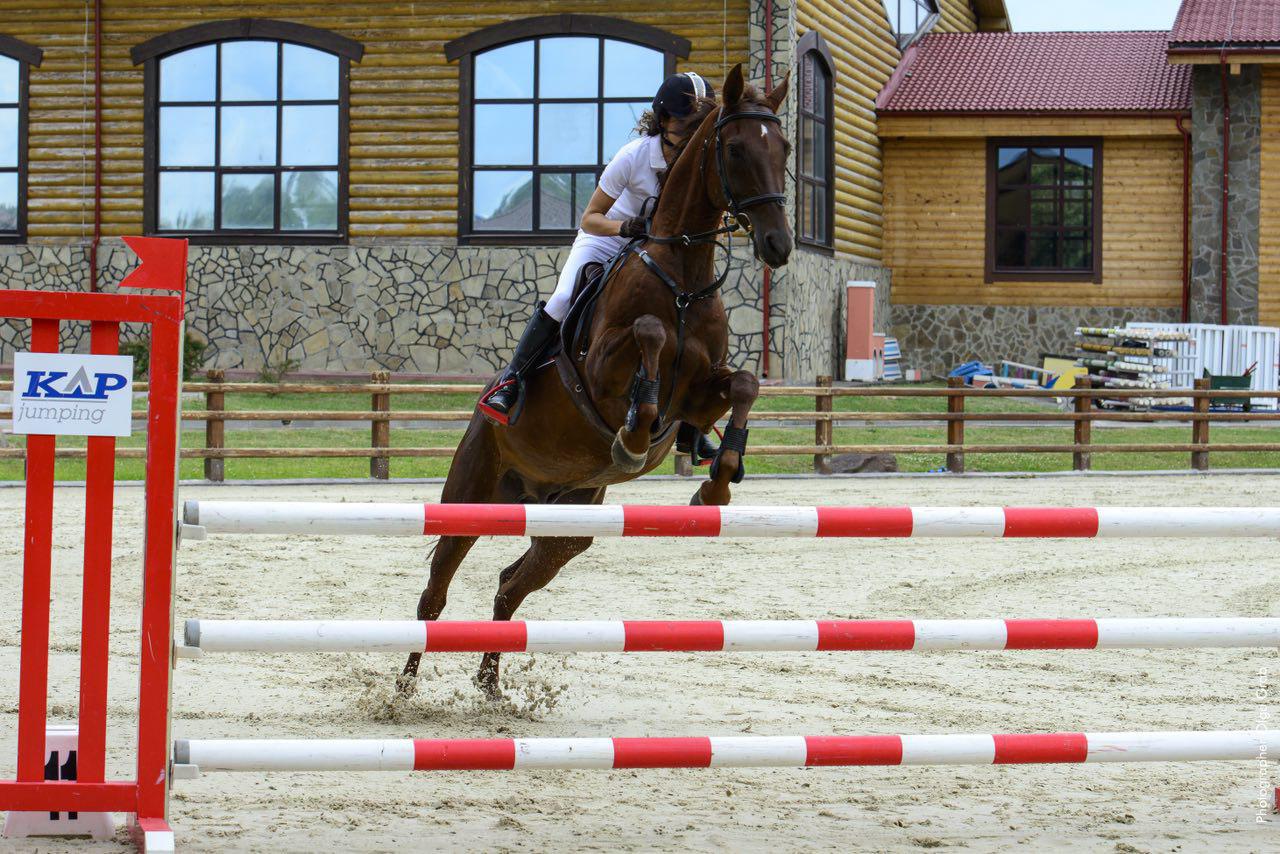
(1038, 72)
(1235, 22)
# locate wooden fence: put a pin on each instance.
(1081, 413)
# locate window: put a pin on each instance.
(15, 58)
(247, 136)
(1044, 209)
(815, 162)
(910, 18)
(543, 113)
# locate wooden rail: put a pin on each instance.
(381, 392)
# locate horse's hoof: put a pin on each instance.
(624, 459)
(696, 501)
(487, 682)
(407, 684)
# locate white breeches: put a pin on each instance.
(586, 248)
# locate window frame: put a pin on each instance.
(464, 49)
(149, 54)
(812, 43)
(992, 273)
(925, 23)
(27, 56)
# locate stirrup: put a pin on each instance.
(503, 418)
(702, 452)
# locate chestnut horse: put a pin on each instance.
(657, 356)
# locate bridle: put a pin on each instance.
(731, 203)
(738, 218)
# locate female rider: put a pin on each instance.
(612, 219)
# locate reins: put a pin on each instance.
(736, 209)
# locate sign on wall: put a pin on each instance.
(68, 394)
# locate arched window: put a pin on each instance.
(908, 18)
(246, 134)
(544, 104)
(815, 160)
(16, 57)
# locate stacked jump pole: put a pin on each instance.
(388, 520)
(551, 520)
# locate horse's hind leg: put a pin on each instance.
(742, 389)
(448, 556)
(473, 478)
(532, 572)
(631, 445)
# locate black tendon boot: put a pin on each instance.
(504, 402)
(692, 441)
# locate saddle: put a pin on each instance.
(575, 338)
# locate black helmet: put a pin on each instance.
(678, 95)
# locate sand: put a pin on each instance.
(1154, 807)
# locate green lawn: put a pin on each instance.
(297, 437)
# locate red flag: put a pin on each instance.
(163, 264)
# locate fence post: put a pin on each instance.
(955, 426)
(822, 430)
(380, 467)
(1200, 428)
(215, 430)
(1083, 460)
(684, 466)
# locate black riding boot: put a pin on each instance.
(503, 402)
(689, 438)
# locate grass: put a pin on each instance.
(302, 437)
(356, 435)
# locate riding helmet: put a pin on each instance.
(678, 95)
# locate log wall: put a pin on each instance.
(935, 230)
(404, 97)
(863, 47)
(1269, 204)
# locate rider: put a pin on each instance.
(611, 220)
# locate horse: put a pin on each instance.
(657, 356)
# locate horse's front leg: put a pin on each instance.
(742, 388)
(631, 446)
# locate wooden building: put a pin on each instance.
(1033, 183)
(392, 185)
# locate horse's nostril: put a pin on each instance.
(777, 243)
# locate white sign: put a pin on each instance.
(67, 394)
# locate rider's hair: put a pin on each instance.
(650, 125)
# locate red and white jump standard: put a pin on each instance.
(535, 520)
(725, 635)
(505, 754)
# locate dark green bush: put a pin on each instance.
(140, 349)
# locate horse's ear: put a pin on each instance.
(779, 93)
(733, 86)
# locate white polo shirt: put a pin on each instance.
(632, 176)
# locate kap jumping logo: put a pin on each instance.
(69, 394)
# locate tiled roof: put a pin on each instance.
(1038, 72)
(1210, 23)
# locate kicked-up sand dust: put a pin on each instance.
(1152, 807)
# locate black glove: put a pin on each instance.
(633, 227)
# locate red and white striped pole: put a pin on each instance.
(505, 754)
(727, 635)
(555, 520)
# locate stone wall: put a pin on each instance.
(813, 309)
(413, 307)
(1245, 92)
(936, 338)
